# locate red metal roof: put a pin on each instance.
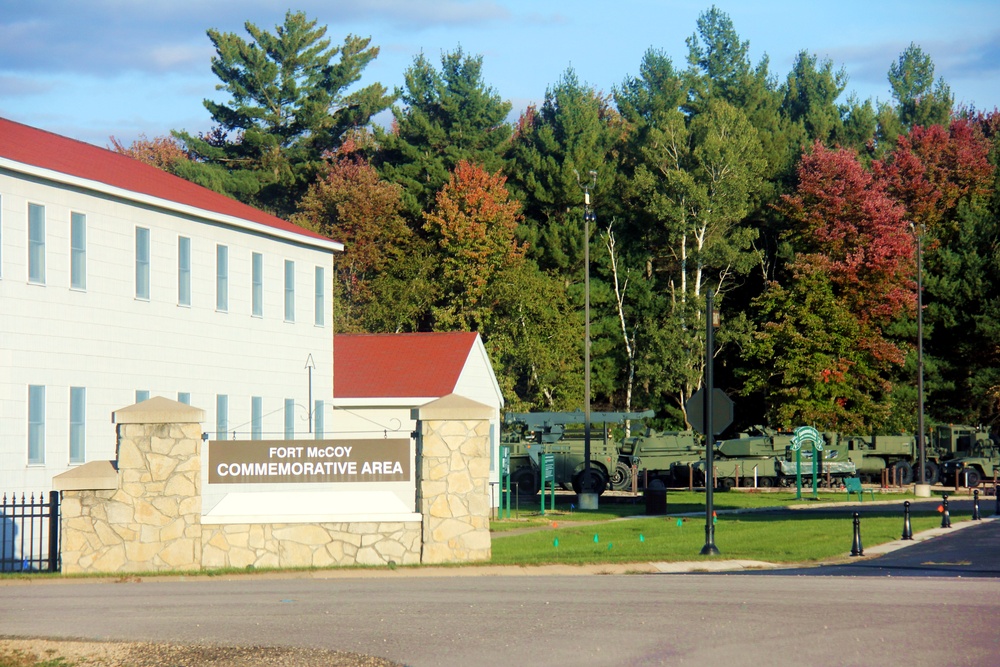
(46, 150)
(399, 365)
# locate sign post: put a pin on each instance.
(504, 481)
(547, 462)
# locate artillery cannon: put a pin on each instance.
(529, 434)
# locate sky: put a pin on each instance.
(92, 69)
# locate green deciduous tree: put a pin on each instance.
(289, 103)
(691, 180)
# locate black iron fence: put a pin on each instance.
(29, 533)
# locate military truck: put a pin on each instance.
(530, 434)
(983, 463)
(900, 453)
(657, 455)
(872, 454)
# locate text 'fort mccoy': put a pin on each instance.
(322, 461)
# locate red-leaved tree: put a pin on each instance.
(473, 224)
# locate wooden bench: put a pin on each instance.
(853, 485)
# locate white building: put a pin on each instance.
(379, 378)
(120, 282)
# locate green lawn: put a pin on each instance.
(566, 535)
(745, 536)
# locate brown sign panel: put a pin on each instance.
(308, 461)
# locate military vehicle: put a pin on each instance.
(983, 463)
(899, 453)
(872, 454)
(833, 467)
(529, 434)
(748, 460)
(657, 455)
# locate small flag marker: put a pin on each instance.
(555, 542)
(680, 522)
(610, 544)
(642, 538)
(595, 538)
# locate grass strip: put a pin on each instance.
(750, 537)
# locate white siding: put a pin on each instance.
(107, 341)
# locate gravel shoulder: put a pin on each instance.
(28, 652)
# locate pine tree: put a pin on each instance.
(446, 117)
(288, 105)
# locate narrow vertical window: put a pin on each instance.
(77, 424)
(184, 397)
(318, 420)
(289, 419)
(258, 285)
(222, 278)
(289, 290)
(256, 417)
(320, 319)
(141, 263)
(183, 271)
(1, 237)
(141, 395)
(36, 424)
(36, 244)
(78, 251)
(221, 416)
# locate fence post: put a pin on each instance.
(53, 531)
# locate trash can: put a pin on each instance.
(655, 496)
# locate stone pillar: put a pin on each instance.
(453, 467)
(147, 517)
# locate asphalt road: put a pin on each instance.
(933, 603)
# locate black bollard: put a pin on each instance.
(945, 517)
(975, 506)
(856, 548)
(907, 529)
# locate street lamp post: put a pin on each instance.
(587, 498)
(923, 488)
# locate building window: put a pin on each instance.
(1, 237)
(36, 424)
(320, 297)
(258, 285)
(289, 419)
(78, 251)
(289, 290)
(141, 395)
(184, 397)
(222, 278)
(77, 424)
(256, 417)
(36, 244)
(318, 420)
(221, 416)
(183, 271)
(141, 263)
